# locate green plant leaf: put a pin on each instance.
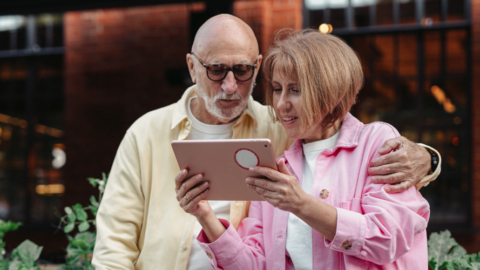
(443, 249)
(69, 227)
(93, 209)
(71, 217)
(475, 265)
(68, 210)
(80, 213)
(80, 243)
(15, 265)
(8, 226)
(84, 226)
(27, 252)
(462, 263)
(93, 181)
(93, 201)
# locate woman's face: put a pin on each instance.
(287, 104)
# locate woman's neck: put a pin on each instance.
(321, 133)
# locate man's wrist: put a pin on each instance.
(434, 160)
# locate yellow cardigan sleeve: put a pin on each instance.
(429, 178)
(120, 215)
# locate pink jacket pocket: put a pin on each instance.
(353, 205)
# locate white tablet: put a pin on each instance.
(225, 164)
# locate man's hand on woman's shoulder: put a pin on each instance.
(403, 167)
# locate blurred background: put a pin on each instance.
(74, 75)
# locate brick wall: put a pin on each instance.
(119, 65)
(116, 62)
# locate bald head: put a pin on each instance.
(224, 31)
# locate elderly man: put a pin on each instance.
(140, 224)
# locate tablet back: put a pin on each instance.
(225, 163)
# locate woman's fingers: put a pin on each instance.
(282, 167)
(192, 194)
(191, 206)
(187, 185)
(263, 192)
(261, 183)
(179, 178)
(268, 173)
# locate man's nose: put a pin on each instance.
(229, 84)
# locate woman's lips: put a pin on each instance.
(287, 120)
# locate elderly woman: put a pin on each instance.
(322, 210)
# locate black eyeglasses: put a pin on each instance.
(218, 72)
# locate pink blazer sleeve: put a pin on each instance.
(238, 250)
(388, 224)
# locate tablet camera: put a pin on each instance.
(246, 158)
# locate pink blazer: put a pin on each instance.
(375, 230)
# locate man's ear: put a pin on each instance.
(259, 64)
(191, 68)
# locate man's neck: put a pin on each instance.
(199, 110)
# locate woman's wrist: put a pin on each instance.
(212, 226)
(301, 207)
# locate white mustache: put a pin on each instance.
(225, 96)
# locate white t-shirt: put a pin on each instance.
(200, 131)
(299, 234)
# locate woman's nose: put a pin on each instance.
(283, 103)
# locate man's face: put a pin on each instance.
(225, 99)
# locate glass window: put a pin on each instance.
(456, 10)
(433, 11)
(384, 12)
(433, 53)
(32, 153)
(439, 117)
(456, 42)
(407, 12)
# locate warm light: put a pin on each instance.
(22, 123)
(448, 106)
(438, 94)
(0, 132)
(325, 28)
(442, 99)
(455, 141)
(7, 133)
(50, 189)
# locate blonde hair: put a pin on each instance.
(328, 72)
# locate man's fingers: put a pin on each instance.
(389, 179)
(390, 145)
(385, 169)
(398, 188)
(392, 157)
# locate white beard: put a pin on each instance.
(224, 114)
